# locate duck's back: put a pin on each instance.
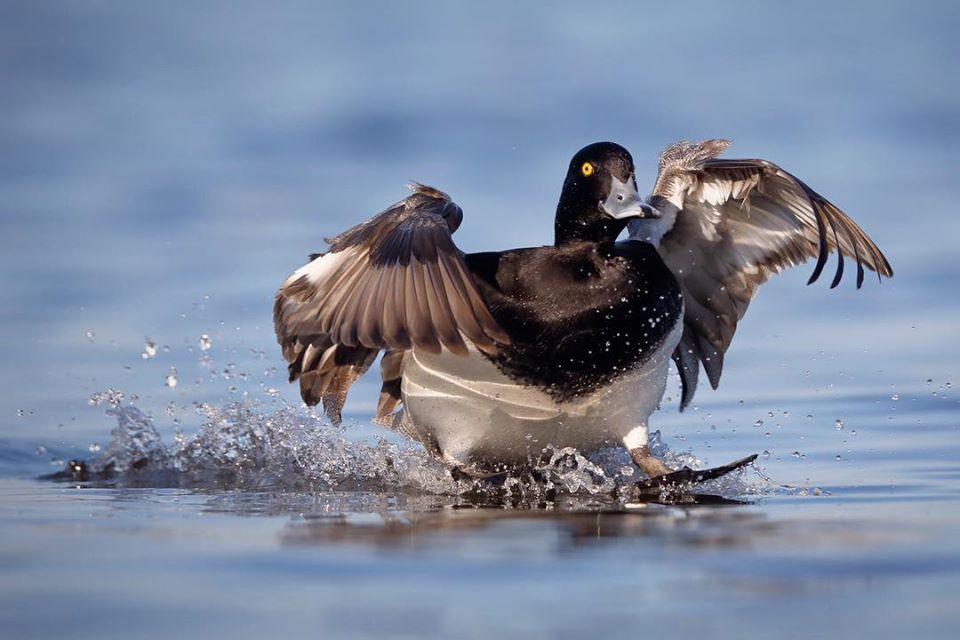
(591, 338)
(577, 319)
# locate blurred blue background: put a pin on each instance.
(164, 166)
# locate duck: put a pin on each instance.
(491, 359)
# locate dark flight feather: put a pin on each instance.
(737, 223)
(394, 282)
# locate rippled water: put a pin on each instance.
(163, 168)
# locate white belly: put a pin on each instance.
(478, 417)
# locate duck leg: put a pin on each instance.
(648, 463)
(659, 475)
(636, 443)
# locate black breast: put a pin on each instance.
(578, 318)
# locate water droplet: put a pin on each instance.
(797, 454)
(205, 343)
(21, 412)
(90, 335)
(93, 447)
(838, 424)
(626, 471)
(111, 396)
(149, 349)
(758, 423)
(895, 397)
(171, 379)
(41, 450)
(838, 458)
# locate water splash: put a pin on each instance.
(134, 443)
(247, 445)
(242, 446)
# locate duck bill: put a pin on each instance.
(624, 202)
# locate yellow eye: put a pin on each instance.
(586, 169)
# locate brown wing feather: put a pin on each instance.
(392, 282)
(737, 222)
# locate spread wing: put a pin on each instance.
(734, 224)
(394, 282)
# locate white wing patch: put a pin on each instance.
(326, 266)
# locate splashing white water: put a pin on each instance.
(239, 445)
(245, 445)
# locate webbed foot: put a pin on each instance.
(686, 477)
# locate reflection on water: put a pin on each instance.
(571, 522)
(352, 564)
